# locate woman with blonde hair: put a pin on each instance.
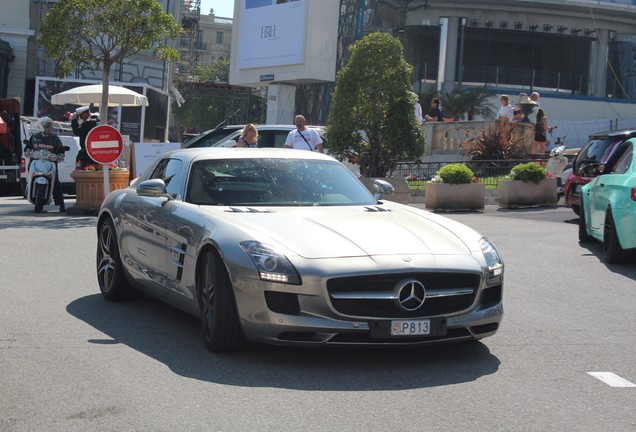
(249, 137)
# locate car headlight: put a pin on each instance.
(493, 259)
(271, 265)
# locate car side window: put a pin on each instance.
(623, 163)
(166, 170)
(265, 138)
(279, 139)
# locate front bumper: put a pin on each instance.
(314, 314)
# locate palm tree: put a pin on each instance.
(470, 102)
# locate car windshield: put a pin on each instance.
(274, 182)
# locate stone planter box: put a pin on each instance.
(455, 197)
(518, 194)
(89, 186)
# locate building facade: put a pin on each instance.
(15, 35)
(574, 47)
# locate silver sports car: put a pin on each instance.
(287, 247)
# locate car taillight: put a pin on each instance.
(22, 165)
(634, 194)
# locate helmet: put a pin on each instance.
(45, 121)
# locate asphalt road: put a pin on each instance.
(70, 361)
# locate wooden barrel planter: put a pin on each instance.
(89, 186)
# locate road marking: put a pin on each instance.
(611, 379)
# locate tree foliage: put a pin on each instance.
(372, 110)
(207, 106)
(96, 34)
(218, 71)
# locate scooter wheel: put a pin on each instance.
(40, 197)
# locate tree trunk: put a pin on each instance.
(103, 106)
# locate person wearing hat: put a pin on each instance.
(82, 121)
(47, 140)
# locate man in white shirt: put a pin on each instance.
(303, 138)
(506, 111)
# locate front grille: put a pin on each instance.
(387, 308)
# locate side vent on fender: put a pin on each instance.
(377, 209)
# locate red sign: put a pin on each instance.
(104, 144)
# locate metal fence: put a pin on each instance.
(488, 171)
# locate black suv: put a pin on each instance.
(597, 151)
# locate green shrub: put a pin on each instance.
(528, 172)
(456, 173)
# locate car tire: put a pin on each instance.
(219, 317)
(614, 253)
(576, 209)
(40, 197)
(110, 273)
(584, 237)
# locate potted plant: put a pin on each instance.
(455, 187)
(89, 184)
(497, 141)
(527, 185)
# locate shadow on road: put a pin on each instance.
(18, 213)
(174, 339)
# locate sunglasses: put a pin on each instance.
(47, 125)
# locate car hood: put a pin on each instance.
(351, 231)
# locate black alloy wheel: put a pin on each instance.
(110, 273)
(614, 253)
(219, 317)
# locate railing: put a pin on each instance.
(488, 171)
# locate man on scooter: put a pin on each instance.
(47, 140)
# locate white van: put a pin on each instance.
(30, 126)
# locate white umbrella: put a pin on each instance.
(92, 94)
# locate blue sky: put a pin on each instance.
(222, 8)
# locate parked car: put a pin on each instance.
(608, 205)
(288, 247)
(212, 136)
(268, 136)
(597, 150)
(227, 136)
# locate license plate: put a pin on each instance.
(410, 327)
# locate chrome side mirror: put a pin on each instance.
(153, 188)
(382, 187)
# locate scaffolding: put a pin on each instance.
(190, 17)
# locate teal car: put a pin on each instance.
(608, 205)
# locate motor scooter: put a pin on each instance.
(41, 176)
(557, 164)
